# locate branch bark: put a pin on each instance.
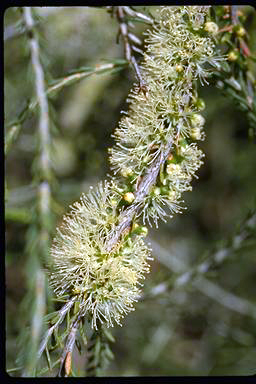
(143, 189)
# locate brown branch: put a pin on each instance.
(147, 181)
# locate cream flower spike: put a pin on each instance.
(106, 283)
(99, 255)
(178, 49)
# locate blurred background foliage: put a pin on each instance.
(190, 321)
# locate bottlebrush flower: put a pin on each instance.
(99, 255)
(178, 49)
(106, 283)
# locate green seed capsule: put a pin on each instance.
(233, 56)
(200, 104)
(239, 30)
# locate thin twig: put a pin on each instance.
(14, 126)
(129, 11)
(66, 358)
(234, 14)
(44, 189)
(225, 298)
(14, 30)
(17, 29)
(222, 254)
(129, 40)
(123, 30)
(62, 313)
(44, 192)
(194, 276)
(215, 258)
(44, 133)
(79, 76)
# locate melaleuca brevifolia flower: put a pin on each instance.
(98, 255)
(106, 283)
(179, 49)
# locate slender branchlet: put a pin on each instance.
(236, 77)
(42, 174)
(212, 259)
(131, 42)
(99, 257)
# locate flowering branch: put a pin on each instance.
(99, 257)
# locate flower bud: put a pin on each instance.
(171, 195)
(114, 202)
(156, 191)
(197, 120)
(170, 158)
(220, 84)
(179, 68)
(139, 230)
(127, 172)
(144, 231)
(172, 168)
(233, 56)
(195, 133)
(211, 27)
(164, 190)
(239, 31)
(200, 104)
(129, 197)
